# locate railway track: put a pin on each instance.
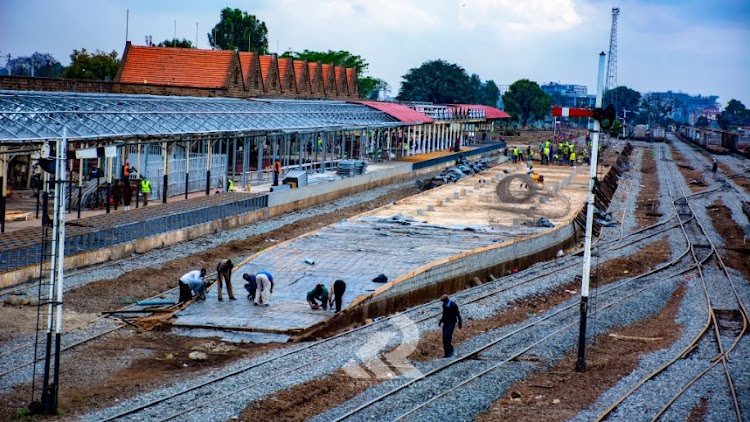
(239, 380)
(717, 334)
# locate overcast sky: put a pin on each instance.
(693, 46)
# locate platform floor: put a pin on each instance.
(393, 240)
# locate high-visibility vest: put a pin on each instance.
(126, 171)
(515, 152)
(277, 166)
(145, 186)
(231, 185)
(572, 156)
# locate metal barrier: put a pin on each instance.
(138, 224)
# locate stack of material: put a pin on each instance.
(296, 178)
(348, 168)
(360, 167)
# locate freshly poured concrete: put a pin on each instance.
(394, 240)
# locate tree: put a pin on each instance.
(183, 43)
(239, 30)
(491, 94)
(367, 84)
(657, 108)
(622, 98)
(437, 81)
(526, 101)
(99, 66)
(370, 87)
(735, 114)
(43, 64)
(702, 122)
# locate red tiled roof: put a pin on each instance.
(176, 66)
(402, 113)
(311, 71)
(489, 112)
(298, 66)
(265, 65)
(283, 63)
(245, 60)
(325, 68)
(350, 76)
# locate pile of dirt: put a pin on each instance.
(693, 177)
(559, 393)
(740, 179)
(647, 203)
(736, 250)
(307, 399)
(125, 364)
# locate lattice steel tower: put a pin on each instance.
(611, 78)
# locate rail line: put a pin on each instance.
(683, 208)
(646, 232)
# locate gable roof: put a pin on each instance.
(283, 66)
(175, 66)
(246, 60)
(265, 66)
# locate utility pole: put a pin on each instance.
(127, 24)
(581, 362)
(196, 35)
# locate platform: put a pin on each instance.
(394, 240)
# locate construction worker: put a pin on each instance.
(451, 315)
(126, 171)
(515, 155)
(145, 190)
(584, 159)
(276, 171)
(573, 158)
(251, 286)
(230, 185)
(264, 279)
(193, 282)
(545, 155)
(338, 287)
(224, 275)
(556, 158)
(318, 293)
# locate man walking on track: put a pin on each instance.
(448, 322)
(224, 273)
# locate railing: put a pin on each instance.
(148, 222)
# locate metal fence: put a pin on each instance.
(85, 238)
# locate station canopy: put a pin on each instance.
(30, 116)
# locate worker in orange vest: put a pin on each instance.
(276, 171)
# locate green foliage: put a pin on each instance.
(525, 101)
(702, 122)
(183, 43)
(490, 94)
(657, 109)
(615, 130)
(98, 66)
(44, 66)
(622, 98)
(337, 58)
(239, 30)
(437, 81)
(368, 86)
(735, 114)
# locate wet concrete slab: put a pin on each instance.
(393, 240)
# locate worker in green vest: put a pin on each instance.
(145, 190)
(515, 155)
(572, 158)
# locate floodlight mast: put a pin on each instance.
(581, 361)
